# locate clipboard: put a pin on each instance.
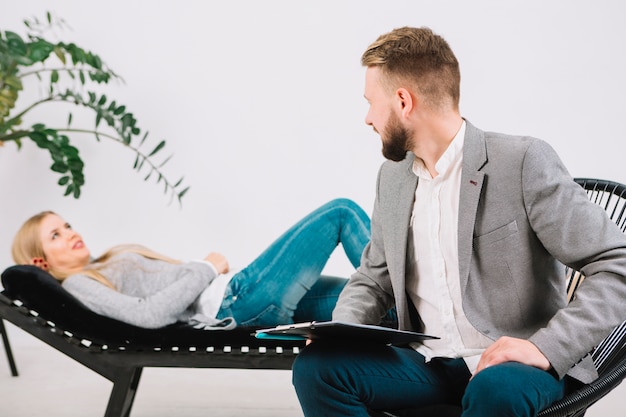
(342, 332)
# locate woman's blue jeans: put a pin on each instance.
(284, 283)
(347, 380)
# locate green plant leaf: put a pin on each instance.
(59, 167)
(74, 165)
(165, 161)
(59, 53)
(40, 50)
(182, 193)
(157, 149)
(39, 139)
(15, 44)
(14, 82)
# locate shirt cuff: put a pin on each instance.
(209, 264)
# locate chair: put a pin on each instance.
(609, 356)
(35, 302)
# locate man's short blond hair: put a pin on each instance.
(421, 58)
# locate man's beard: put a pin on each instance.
(397, 141)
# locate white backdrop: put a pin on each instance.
(262, 104)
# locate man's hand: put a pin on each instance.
(510, 349)
(219, 261)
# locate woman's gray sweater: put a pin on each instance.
(149, 293)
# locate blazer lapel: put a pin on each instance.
(474, 158)
(397, 241)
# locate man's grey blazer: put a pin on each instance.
(521, 218)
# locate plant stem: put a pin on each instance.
(15, 135)
(29, 108)
(64, 69)
(96, 133)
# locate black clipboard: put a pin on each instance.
(342, 332)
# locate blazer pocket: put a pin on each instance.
(495, 283)
(498, 234)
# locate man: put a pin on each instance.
(470, 232)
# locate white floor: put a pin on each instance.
(50, 384)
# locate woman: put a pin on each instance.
(133, 284)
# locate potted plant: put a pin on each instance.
(68, 74)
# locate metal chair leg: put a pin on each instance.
(123, 393)
(7, 348)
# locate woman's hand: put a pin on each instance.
(219, 261)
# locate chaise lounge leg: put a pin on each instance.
(123, 393)
(7, 348)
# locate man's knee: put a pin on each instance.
(308, 364)
(302, 366)
(491, 390)
(509, 389)
(323, 364)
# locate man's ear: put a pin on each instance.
(39, 263)
(406, 102)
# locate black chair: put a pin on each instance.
(609, 356)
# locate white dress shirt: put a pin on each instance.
(433, 282)
(210, 300)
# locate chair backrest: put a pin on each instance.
(612, 197)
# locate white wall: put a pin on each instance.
(262, 104)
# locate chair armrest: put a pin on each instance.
(589, 394)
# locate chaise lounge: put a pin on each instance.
(35, 302)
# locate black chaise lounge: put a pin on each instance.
(36, 302)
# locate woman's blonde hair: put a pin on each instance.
(27, 245)
(27, 242)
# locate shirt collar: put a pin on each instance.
(454, 151)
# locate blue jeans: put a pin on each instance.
(269, 291)
(347, 380)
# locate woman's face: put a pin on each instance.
(64, 249)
